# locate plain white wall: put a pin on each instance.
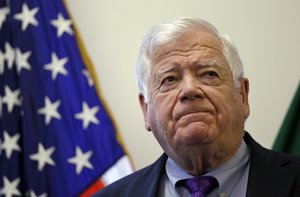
(267, 34)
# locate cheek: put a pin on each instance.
(161, 113)
(161, 110)
(229, 110)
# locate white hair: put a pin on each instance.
(167, 32)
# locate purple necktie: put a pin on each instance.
(200, 186)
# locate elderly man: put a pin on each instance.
(194, 98)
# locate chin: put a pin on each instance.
(196, 137)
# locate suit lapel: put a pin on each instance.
(267, 176)
(149, 182)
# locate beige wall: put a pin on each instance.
(267, 34)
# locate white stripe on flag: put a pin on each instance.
(120, 169)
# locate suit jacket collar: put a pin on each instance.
(268, 176)
(151, 178)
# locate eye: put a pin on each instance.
(168, 82)
(168, 79)
(211, 74)
(211, 78)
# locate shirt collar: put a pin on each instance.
(231, 170)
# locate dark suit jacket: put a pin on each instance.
(271, 174)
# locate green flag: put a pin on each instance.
(288, 138)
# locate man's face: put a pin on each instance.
(193, 99)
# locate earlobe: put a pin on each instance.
(144, 107)
(244, 91)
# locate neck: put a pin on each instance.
(202, 159)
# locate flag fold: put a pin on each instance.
(288, 138)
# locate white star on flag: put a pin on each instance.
(9, 55)
(11, 98)
(1, 62)
(88, 76)
(50, 110)
(10, 144)
(10, 188)
(22, 60)
(88, 115)
(3, 13)
(32, 194)
(57, 66)
(81, 160)
(62, 25)
(43, 156)
(27, 16)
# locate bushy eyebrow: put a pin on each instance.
(201, 63)
(173, 67)
(160, 71)
(165, 69)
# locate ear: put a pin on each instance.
(144, 107)
(244, 91)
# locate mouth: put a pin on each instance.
(193, 118)
(192, 115)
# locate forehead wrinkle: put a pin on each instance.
(208, 62)
(168, 50)
(190, 61)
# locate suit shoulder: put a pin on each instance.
(282, 159)
(117, 188)
(137, 182)
(291, 160)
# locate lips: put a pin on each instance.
(193, 119)
(192, 113)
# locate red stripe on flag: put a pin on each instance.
(93, 189)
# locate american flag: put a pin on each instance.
(56, 136)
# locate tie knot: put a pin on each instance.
(200, 186)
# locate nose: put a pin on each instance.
(190, 89)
